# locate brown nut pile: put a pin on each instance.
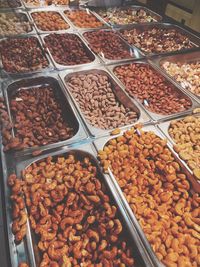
(108, 44)
(10, 3)
(23, 264)
(158, 192)
(19, 215)
(157, 40)
(98, 103)
(152, 89)
(49, 21)
(14, 23)
(83, 19)
(46, 2)
(73, 216)
(22, 55)
(68, 49)
(186, 135)
(126, 15)
(187, 74)
(38, 119)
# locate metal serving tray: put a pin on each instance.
(155, 116)
(164, 127)
(59, 11)
(105, 25)
(27, 250)
(18, 13)
(183, 58)
(58, 66)
(69, 113)
(142, 27)
(6, 74)
(156, 16)
(2, 9)
(134, 52)
(120, 95)
(99, 144)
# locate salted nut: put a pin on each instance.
(159, 194)
(71, 213)
(186, 135)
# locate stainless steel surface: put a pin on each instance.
(58, 66)
(6, 74)
(154, 116)
(59, 11)
(183, 58)
(134, 52)
(142, 27)
(69, 112)
(120, 95)
(164, 127)
(27, 250)
(156, 16)
(99, 145)
(19, 12)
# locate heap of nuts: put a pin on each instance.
(187, 74)
(37, 119)
(159, 194)
(152, 89)
(46, 2)
(157, 40)
(14, 23)
(10, 3)
(68, 49)
(108, 45)
(97, 101)
(72, 215)
(186, 135)
(83, 19)
(125, 16)
(49, 21)
(22, 55)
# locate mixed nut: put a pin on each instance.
(157, 40)
(187, 74)
(49, 21)
(95, 96)
(186, 135)
(12, 23)
(68, 49)
(22, 55)
(108, 45)
(152, 89)
(71, 213)
(46, 2)
(10, 3)
(159, 194)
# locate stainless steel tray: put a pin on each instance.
(183, 58)
(134, 52)
(26, 18)
(6, 74)
(27, 250)
(104, 26)
(99, 144)
(58, 66)
(142, 27)
(156, 16)
(59, 11)
(120, 95)
(69, 112)
(155, 116)
(164, 127)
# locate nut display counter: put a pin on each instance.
(100, 136)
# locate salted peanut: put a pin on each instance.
(83, 19)
(186, 135)
(187, 74)
(49, 21)
(76, 224)
(159, 194)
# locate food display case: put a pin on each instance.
(100, 135)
